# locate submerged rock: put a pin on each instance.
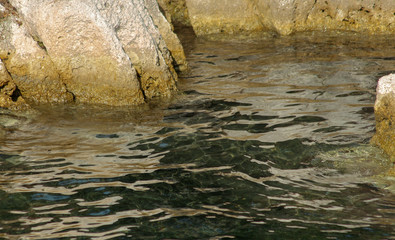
(285, 17)
(363, 160)
(94, 51)
(384, 109)
(366, 161)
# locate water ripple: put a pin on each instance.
(267, 141)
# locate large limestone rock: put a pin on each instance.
(143, 43)
(28, 64)
(95, 51)
(287, 16)
(384, 109)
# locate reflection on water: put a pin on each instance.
(257, 146)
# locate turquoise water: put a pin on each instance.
(247, 150)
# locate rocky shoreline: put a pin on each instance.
(125, 52)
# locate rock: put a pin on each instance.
(176, 12)
(223, 16)
(384, 109)
(28, 64)
(143, 43)
(363, 160)
(288, 16)
(84, 50)
(370, 16)
(170, 38)
(9, 94)
(283, 16)
(94, 51)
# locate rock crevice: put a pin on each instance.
(9, 93)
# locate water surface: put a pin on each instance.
(251, 149)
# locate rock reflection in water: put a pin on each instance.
(250, 150)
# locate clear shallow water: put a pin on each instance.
(248, 151)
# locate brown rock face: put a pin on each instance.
(94, 51)
(224, 16)
(175, 11)
(28, 64)
(169, 37)
(288, 16)
(9, 94)
(384, 109)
